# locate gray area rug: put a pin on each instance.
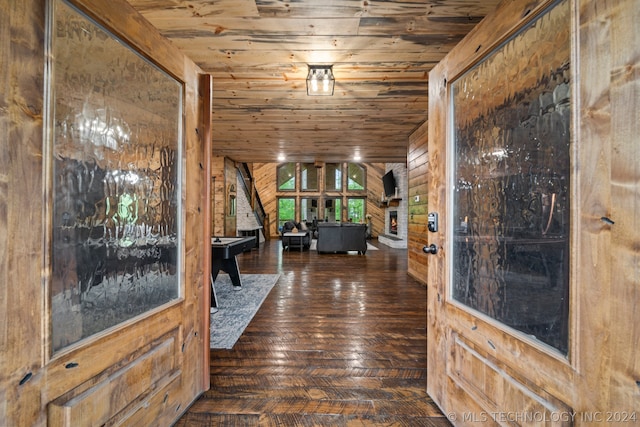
(314, 242)
(237, 308)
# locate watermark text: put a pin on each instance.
(602, 417)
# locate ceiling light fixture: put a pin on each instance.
(320, 80)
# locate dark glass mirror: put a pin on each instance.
(115, 180)
(511, 180)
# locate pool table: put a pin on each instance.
(223, 257)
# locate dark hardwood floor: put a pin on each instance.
(339, 341)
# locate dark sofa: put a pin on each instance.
(342, 237)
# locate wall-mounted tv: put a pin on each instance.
(389, 183)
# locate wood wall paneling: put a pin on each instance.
(418, 174)
(223, 176)
(265, 182)
(375, 172)
(218, 185)
(230, 190)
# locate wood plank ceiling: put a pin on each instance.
(258, 52)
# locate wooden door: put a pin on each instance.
(533, 150)
(59, 366)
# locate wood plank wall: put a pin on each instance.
(231, 187)
(217, 195)
(223, 174)
(265, 180)
(375, 171)
(418, 173)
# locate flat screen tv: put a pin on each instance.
(389, 183)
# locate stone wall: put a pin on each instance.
(397, 240)
(245, 218)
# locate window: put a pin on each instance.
(324, 204)
(286, 210)
(308, 177)
(332, 209)
(333, 177)
(356, 209)
(308, 209)
(287, 177)
(356, 177)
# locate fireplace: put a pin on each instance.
(393, 222)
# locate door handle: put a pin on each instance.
(431, 249)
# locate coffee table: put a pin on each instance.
(295, 240)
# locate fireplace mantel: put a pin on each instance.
(391, 202)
